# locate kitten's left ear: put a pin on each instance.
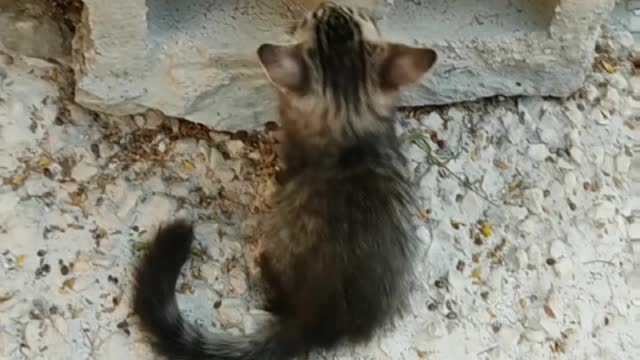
(405, 65)
(285, 66)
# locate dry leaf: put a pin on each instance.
(549, 312)
(608, 67)
(491, 313)
(486, 230)
(17, 180)
(559, 347)
(44, 162)
(475, 258)
(185, 287)
(20, 260)
(424, 214)
(187, 165)
(476, 274)
(68, 284)
(500, 164)
(523, 303)
(78, 197)
(456, 224)
(630, 125)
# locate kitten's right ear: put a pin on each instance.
(285, 67)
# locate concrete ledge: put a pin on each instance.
(195, 58)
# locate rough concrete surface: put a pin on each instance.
(196, 59)
(530, 222)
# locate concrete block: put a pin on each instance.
(196, 58)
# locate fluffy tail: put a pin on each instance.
(155, 304)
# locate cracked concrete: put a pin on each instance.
(529, 222)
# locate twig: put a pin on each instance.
(420, 141)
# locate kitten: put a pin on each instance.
(338, 250)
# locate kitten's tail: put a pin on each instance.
(155, 303)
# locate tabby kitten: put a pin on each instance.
(338, 250)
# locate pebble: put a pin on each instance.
(154, 119)
(574, 115)
(623, 163)
(564, 268)
(235, 148)
(633, 230)
(591, 93)
(536, 336)
(139, 120)
(32, 333)
(611, 101)
(618, 81)
(557, 249)
(576, 154)
(508, 337)
(634, 82)
(231, 312)
(597, 116)
(520, 259)
(551, 327)
(570, 180)
(604, 211)
(83, 171)
(538, 152)
(59, 324)
(533, 199)
(534, 254)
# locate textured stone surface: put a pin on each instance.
(527, 254)
(196, 59)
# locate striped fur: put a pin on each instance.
(337, 256)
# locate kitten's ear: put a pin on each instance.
(284, 66)
(405, 65)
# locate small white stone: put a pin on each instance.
(238, 281)
(597, 155)
(139, 120)
(591, 93)
(154, 119)
(634, 82)
(456, 279)
(59, 324)
(533, 199)
(557, 249)
(494, 280)
(538, 152)
(574, 114)
(536, 336)
(551, 327)
(231, 312)
(576, 154)
(598, 117)
(618, 81)
(508, 337)
(604, 211)
(235, 148)
(623, 163)
(521, 259)
(633, 230)
(570, 180)
(633, 280)
(564, 268)
(186, 146)
(611, 101)
(83, 171)
(32, 334)
(564, 164)
(534, 254)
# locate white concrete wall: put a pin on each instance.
(196, 58)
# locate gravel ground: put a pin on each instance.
(527, 222)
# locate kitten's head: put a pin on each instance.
(339, 73)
